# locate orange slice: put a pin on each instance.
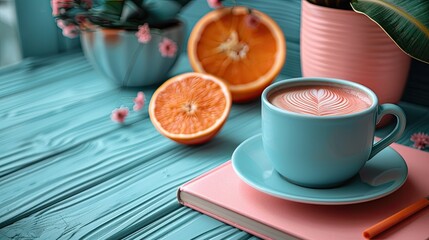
(190, 108)
(247, 55)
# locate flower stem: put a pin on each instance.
(131, 66)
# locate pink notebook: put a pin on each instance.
(221, 194)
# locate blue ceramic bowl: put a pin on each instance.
(119, 56)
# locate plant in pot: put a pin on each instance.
(337, 41)
(132, 42)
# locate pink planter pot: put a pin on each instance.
(348, 45)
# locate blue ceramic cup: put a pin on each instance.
(323, 151)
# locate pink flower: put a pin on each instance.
(252, 21)
(139, 101)
(421, 140)
(61, 24)
(143, 35)
(119, 114)
(168, 48)
(215, 3)
(71, 31)
(58, 5)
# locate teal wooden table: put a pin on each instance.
(68, 172)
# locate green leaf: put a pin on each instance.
(405, 21)
(109, 7)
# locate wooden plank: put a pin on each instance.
(35, 127)
(67, 171)
(45, 152)
(185, 223)
(113, 185)
(35, 73)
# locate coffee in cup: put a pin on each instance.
(321, 100)
(319, 132)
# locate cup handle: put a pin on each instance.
(396, 133)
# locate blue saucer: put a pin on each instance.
(382, 175)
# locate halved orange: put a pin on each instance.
(190, 108)
(247, 55)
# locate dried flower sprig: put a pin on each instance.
(421, 140)
(120, 14)
(120, 114)
(215, 3)
(251, 20)
(166, 47)
(139, 101)
(143, 35)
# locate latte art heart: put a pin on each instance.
(321, 100)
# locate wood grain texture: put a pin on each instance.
(68, 172)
